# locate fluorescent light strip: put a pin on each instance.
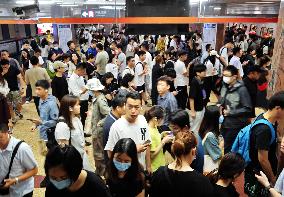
(40, 2)
(68, 5)
(260, 2)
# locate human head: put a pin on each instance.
(208, 47)
(237, 51)
(142, 55)
(156, 115)
(200, 71)
(231, 166)
(5, 64)
(132, 106)
(59, 67)
(163, 85)
(25, 53)
(81, 69)
(124, 154)
(5, 55)
(118, 104)
(51, 56)
(74, 58)
(57, 166)
(179, 121)
(210, 122)
(264, 61)
(145, 46)
(91, 58)
(230, 75)
(107, 78)
(65, 57)
(251, 51)
(254, 72)
(4, 135)
(159, 59)
(55, 45)
(93, 44)
(41, 88)
(69, 107)
(182, 55)
(184, 148)
(34, 60)
(113, 45)
(171, 73)
(130, 61)
(71, 45)
(100, 47)
(26, 45)
(276, 105)
(38, 52)
(119, 47)
(127, 81)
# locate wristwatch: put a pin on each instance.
(268, 187)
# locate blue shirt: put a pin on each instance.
(48, 111)
(92, 51)
(198, 163)
(169, 103)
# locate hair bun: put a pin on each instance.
(178, 148)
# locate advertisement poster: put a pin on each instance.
(64, 35)
(209, 35)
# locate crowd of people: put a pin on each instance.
(164, 114)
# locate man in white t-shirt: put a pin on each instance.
(140, 73)
(112, 67)
(121, 59)
(225, 51)
(130, 66)
(235, 60)
(148, 61)
(132, 125)
(181, 81)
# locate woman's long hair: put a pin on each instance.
(2, 80)
(210, 121)
(127, 146)
(67, 102)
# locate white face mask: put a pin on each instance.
(226, 80)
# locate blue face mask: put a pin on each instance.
(61, 184)
(121, 166)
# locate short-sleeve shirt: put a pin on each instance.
(139, 79)
(128, 70)
(122, 58)
(260, 140)
(180, 68)
(112, 68)
(12, 79)
(198, 94)
(279, 185)
(23, 162)
(102, 59)
(159, 160)
(33, 75)
(235, 61)
(137, 131)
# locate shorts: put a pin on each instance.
(140, 88)
(14, 97)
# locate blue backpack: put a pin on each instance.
(241, 144)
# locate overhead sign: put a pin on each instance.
(98, 13)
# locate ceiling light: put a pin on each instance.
(92, 2)
(258, 2)
(68, 5)
(48, 2)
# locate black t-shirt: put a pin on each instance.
(260, 140)
(90, 69)
(229, 191)
(125, 188)
(197, 93)
(12, 79)
(93, 186)
(178, 183)
(59, 87)
(157, 72)
(252, 90)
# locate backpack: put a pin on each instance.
(241, 144)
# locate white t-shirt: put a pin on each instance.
(113, 68)
(211, 70)
(128, 70)
(139, 80)
(279, 185)
(122, 58)
(235, 61)
(180, 68)
(224, 54)
(40, 62)
(137, 131)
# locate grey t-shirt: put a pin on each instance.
(101, 62)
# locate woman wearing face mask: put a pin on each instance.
(69, 129)
(64, 170)
(178, 178)
(124, 174)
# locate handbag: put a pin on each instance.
(5, 191)
(209, 163)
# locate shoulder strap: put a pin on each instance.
(266, 122)
(205, 137)
(12, 158)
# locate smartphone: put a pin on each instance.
(257, 172)
(147, 142)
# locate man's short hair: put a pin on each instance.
(180, 118)
(232, 69)
(81, 65)
(199, 68)
(236, 50)
(37, 50)
(43, 84)
(118, 101)
(4, 62)
(90, 56)
(141, 53)
(69, 43)
(34, 60)
(165, 79)
(276, 100)
(134, 96)
(4, 128)
(100, 46)
(129, 58)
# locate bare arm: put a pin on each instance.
(148, 160)
(265, 164)
(19, 76)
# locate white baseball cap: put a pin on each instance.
(213, 52)
(94, 84)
